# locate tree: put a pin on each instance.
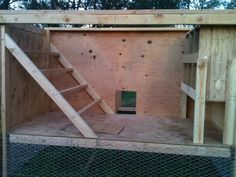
(154, 4)
(5, 4)
(45, 4)
(231, 5)
(201, 4)
(118, 4)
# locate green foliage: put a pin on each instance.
(5, 4)
(115, 4)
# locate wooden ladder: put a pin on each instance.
(57, 96)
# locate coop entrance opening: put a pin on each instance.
(126, 102)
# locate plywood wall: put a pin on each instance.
(223, 45)
(146, 62)
(26, 99)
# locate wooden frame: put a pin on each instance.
(194, 150)
(124, 17)
(136, 17)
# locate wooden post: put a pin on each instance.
(200, 99)
(3, 103)
(230, 104)
(183, 105)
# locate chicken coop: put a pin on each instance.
(125, 93)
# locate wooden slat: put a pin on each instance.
(89, 106)
(118, 29)
(126, 109)
(133, 17)
(72, 89)
(190, 58)
(82, 81)
(200, 101)
(3, 102)
(188, 90)
(230, 105)
(46, 85)
(41, 53)
(56, 71)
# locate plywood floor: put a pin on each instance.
(151, 129)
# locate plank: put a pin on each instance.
(56, 71)
(72, 89)
(118, 29)
(200, 101)
(41, 53)
(89, 106)
(195, 150)
(49, 88)
(82, 81)
(133, 17)
(188, 90)
(230, 105)
(126, 109)
(3, 102)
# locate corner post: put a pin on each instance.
(200, 101)
(230, 104)
(3, 103)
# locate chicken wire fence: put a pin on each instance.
(29, 160)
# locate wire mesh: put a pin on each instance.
(29, 160)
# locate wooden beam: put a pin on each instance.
(72, 89)
(181, 149)
(132, 109)
(123, 17)
(229, 132)
(82, 81)
(200, 100)
(46, 85)
(89, 106)
(166, 29)
(190, 58)
(188, 90)
(3, 102)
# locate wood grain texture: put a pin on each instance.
(200, 88)
(222, 49)
(146, 62)
(143, 130)
(48, 87)
(130, 17)
(26, 98)
(4, 100)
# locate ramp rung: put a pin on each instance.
(57, 70)
(72, 89)
(42, 53)
(89, 106)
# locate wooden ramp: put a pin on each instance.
(56, 95)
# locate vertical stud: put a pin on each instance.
(200, 101)
(3, 103)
